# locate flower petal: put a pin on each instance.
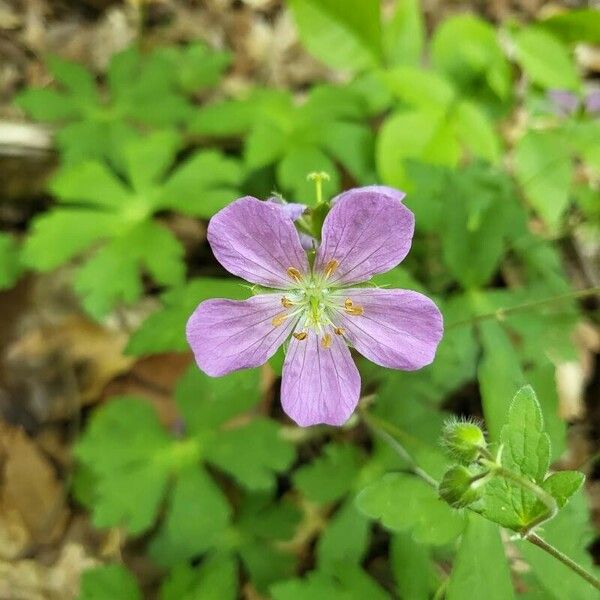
(258, 242)
(385, 190)
(291, 210)
(319, 385)
(366, 232)
(228, 335)
(400, 329)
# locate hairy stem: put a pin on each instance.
(502, 312)
(392, 434)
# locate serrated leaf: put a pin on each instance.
(331, 475)
(108, 581)
(481, 568)
(214, 579)
(252, 454)
(198, 516)
(344, 34)
(403, 502)
(44, 104)
(563, 485)
(207, 402)
(137, 466)
(164, 330)
(202, 185)
(74, 78)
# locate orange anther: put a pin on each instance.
(331, 267)
(287, 303)
(278, 319)
(340, 330)
(300, 335)
(294, 274)
(326, 341)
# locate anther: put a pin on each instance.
(286, 302)
(294, 274)
(340, 330)
(278, 319)
(300, 335)
(326, 341)
(355, 310)
(348, 303)
(331, 267)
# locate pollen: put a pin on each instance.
(286, 302)
(326, 341)
(278, 319)
(348, 303)
(331, 267)
(300, 335)
(294, 274)
(356, 311)
(340, 330)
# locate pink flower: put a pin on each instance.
(319, 311)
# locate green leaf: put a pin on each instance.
(582, 25)
(75, 78)
(10, 261)
(252, 454)
(499, 376)
(202, 185)
(413, 568)
(481, 568)
(403, 502)
(419, 88)
(130, 477)
(297, 164)
(423, 135)
(348, 583)
(345, 34)
(47, 246)
(148, 158)
(466, 49)
(207, 402)
(543, 168)
(344, 540)
(563, 485)
(526, 451)
(404, 34)
(45, 104)
(477, 212)
(198, 516)
(476, 132)
(108, 581)
(545, 60)
(331, 475)
(215, 579)
(164, 331)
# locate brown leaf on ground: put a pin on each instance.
(30, 580)
(32, 501)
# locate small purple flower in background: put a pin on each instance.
(566, 103)
(318, 309)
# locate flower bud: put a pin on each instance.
(456, 487)
(463, 440)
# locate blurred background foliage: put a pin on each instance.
(124, 127)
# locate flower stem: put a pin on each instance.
(390, 433)
(502, 312)
(536, 540)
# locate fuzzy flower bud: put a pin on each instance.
(456, 488)
(463, 440)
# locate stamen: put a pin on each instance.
(294, 274)
(353, 309)
(279, 319)
(340, 330)
(331, 267)
(300, 335)
(326, 341)
(287, 303)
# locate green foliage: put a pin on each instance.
(480, 568)
(142, 90)
(100, 212)
(313, 136)
(403, 502)
(110, 581)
